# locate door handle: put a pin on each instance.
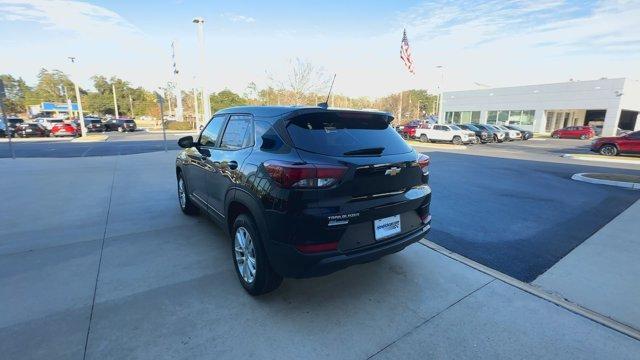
(233, 164)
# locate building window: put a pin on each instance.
(447, 117)
(503, 117)
(456, 117)
(492, 116)
(465, 117)
(527, 117)
(475, 117)
(514, 117)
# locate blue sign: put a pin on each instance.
(60, 107)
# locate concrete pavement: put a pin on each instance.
(102, 263)
(602, 273)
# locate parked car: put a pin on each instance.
(442, 133)
(304, 191)
(574, 132)
(121, 125)
(619, 132)
(94, 124)
(409, 131)
(63, 129)
(511, 134)
(470, 134)
(48, 123)
(524, 134)
(31, 130)
(3, 128)
(615, 145)
(482, 135)
(499, 135)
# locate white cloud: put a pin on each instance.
(236, 18)
(78, 17)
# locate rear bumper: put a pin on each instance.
(289, 262)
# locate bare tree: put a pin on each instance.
(305, 78)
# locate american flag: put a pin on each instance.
(405, 52)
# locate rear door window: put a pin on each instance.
(340, 133)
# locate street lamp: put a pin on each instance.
(440, 91)
(83, 128)
(205, 95)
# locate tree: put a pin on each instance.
(224, 99)
(51, 86)
(16, 91)
(305, 78)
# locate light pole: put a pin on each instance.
(206, 113)
(83, 128)
(195, 107)
(63, 89)
(115, 100)
(440, 92)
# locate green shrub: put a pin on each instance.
(178, 125)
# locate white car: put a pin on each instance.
(49, 122)
(511, 134)
(445, 133)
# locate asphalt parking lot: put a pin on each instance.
(117, 144)
(123, 274)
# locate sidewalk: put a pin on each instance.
(166, 287)
(603, 273)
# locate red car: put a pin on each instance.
(611, 146)
(575, 132)
(63, 129)
(409, 131)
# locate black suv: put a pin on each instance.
(121, 125)
(481, 134)
(94, 124)
(304, 191)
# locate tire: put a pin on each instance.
(424, 138)
(120, 129)
(264, 279)
(608, 150)
(583, 137)
(555, 136)
(457, 140)
(186, 205)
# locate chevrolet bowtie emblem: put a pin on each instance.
(392, 171)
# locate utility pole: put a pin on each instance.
(63, 89)
(131, 106)
(115, 100)
(195, 107)
(7, 129)
(205, 94)
(179, 109)
(160, 101)
(440, 87)
(83, 128)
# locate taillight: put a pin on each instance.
(423, 162)
(316, 248)
(292, 175)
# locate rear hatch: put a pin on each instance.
(379, 160)
(381, 177)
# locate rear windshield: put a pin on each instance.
(93, 121)
(343, 133)
(129, 121)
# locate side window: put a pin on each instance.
(238, 133)
(209, 135)
(437, 127)
(635, 135)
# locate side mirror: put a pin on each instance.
(186, 142)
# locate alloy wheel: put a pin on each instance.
(182, 196)
(245, 254)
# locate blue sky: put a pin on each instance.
(479, 43)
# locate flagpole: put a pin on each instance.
(400, 110)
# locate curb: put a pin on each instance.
(91, 138)
(35, 139)
(437, 146)
(171, 131)
(589, 157)
(536, 291)
(622, 184)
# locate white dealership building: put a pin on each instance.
(612, 103)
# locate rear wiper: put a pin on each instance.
(368, 151)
